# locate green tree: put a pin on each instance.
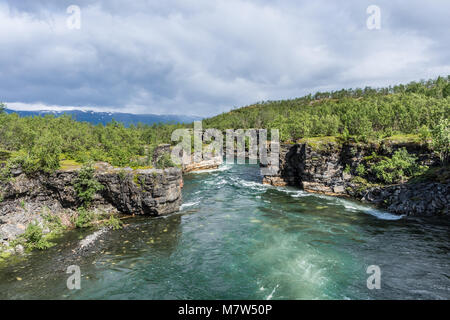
(401, 166)
(46, 150)
(86, 185)
(446, 91)
(441, 140)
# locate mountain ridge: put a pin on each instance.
(95, 117)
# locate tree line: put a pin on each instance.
(364, 113)
(41, 142)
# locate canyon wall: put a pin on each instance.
(328, 167)
(24, 198)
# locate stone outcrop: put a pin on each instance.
(152, 192)
(207, 164)
(418, 199)
(327, 168)
(160, 151)
(188, 162)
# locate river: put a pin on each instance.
(236, 238)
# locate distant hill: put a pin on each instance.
(361, 112)
(104, 117)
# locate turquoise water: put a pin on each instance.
(235, 238)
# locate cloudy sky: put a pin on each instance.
(203, 57)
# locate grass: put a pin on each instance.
(33, 238)
(140, 182)
(68, 165)
(4, 155)
(320, 143)
(363, 184)
(141, 167)
(88, 219)
(404, 138)
(433, 174)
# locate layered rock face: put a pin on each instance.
(322, 169)
(141, 192)
(208, 164)
(419, 199)
(150, 192)
(188, 163)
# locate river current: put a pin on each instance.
(236, 238)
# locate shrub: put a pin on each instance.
(402, 165)
(446, 91)
(86, 185)
(34, 238)
(114, 223)
(164, 162)
(347, 169)
(5, 174)
(441, 140)
(360, 170)
(53, 222)
(84, 218)
(45, 152)
(22, 159)
(424, 133)
(345, 135)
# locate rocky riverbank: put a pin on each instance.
(42, 197)
(324, 165)
(189, 164)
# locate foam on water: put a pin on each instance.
(349, 205)
(189, 204)
(270, 296)
(220, 169)
(352, 206)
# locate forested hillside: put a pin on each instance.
(421, 108)
(365, 113)
(46, 143)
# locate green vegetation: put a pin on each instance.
(360, 170)
(87, 219)
(413, 111)
(84, 218)
(69, 164)
(113, 222)
(435, 174)
(362, 184)
(48, 143)
(34, 238)
(399, 168)
(54, 223)
(164, 161)
(320, 143)
(441, 140)
(416, 112)
(362, 113)
(86, 185)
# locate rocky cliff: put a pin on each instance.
(150, 192)
(327, 166)
(188, 163)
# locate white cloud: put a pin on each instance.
(204, 57)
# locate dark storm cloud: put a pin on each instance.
(204, 57)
